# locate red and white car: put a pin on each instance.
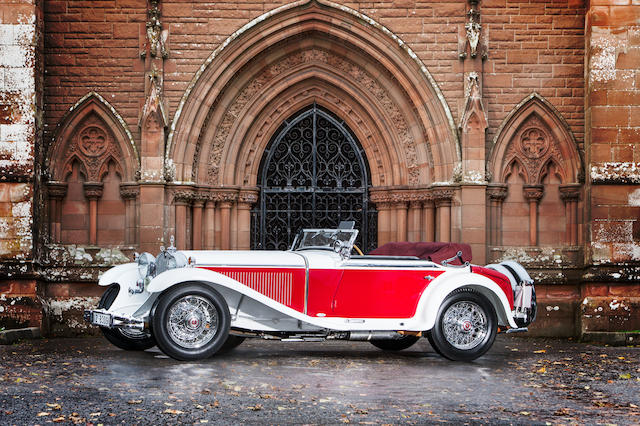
(194, 304)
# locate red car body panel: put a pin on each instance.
(497, 278)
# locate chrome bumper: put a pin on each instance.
(102, 318)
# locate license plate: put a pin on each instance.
(102, 319)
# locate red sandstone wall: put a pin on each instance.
(531, 47)
(613, 135)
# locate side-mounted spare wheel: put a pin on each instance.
(466, 326)
(130, 340)
(190, 321)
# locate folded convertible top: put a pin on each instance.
(436, 252)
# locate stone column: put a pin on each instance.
(57, 191)
(182, 200)
(227, 200)
(428, 220)
(383, 205)
(533, 193)
(401, 220)
(246, 200)
(414, 227)
(497, 194)
(129, 193)
(93, 191)
(442, 199)
(209, 224)
(570, 194)
(197, 210)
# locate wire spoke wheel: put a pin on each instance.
(465, 325)
(192, 322)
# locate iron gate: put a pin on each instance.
(313, 175)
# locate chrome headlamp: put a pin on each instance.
(146, 265)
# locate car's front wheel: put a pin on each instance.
(465, 327)
(191, 322)
(130, 340)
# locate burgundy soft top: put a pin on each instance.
(436, 252)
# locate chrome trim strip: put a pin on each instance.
(306, 280)
(221, 265)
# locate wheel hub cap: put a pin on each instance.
(465, 325)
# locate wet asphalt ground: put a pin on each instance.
(520, 381)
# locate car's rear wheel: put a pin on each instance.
(465, 327)
(397, 344)
(191, 322)
(130, 340)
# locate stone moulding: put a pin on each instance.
(361, 17)
(322, 57)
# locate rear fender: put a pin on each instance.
(441, 287)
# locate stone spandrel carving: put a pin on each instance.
(272, 71)
(156, 37)
(534, 142)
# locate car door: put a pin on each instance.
(373, 288)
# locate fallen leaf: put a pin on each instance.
(168, 404)
(525, 413)
(256, 407)
(541, 351)
(42, 414)
(542, 370)
(134, 401)
(171, 411)
(59, 419)
(625, 376)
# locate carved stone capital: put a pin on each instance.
(497, 192)
(442, 196)
(129, 191)
(248, 197)
(183, 197)
(93, 190)
(57, 190)
(226, 196)
(570, 192)
(533, 192)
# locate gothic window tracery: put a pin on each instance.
(535, 155)
(88, 162)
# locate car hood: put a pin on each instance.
(257, 258)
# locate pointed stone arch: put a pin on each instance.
(89, 138)
(536, 137)
(105, 136)
(535, 117)
(313, 51)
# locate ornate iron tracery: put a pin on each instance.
(313, 175)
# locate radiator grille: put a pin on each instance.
(275, 285)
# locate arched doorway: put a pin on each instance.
(313, 174)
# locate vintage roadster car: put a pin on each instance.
(194, 304)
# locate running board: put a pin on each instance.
(517, 330)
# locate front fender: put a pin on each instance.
(127, 272)
(436, 293)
